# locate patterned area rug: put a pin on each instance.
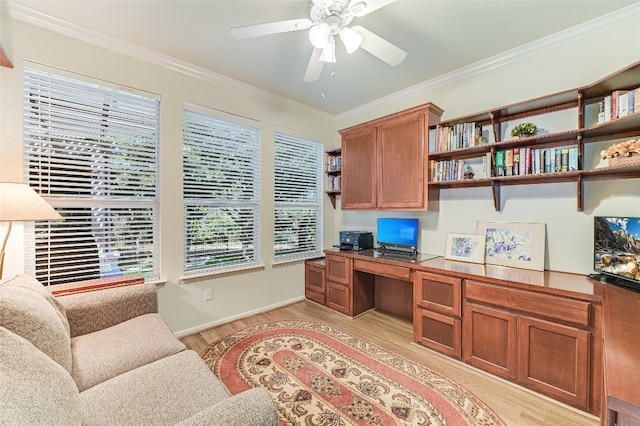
(321, 375)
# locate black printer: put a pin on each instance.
(356, 240)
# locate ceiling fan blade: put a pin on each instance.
(314, 68)
(380, 47)
(369, 6)
(271, 28)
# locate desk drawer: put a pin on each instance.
(382, 269)
(576, 312)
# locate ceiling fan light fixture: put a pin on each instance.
(325, 4)
(351, 39)
(329, 52)
(319, 35)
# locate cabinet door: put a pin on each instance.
(314, 284)
(489, 340)
(437, 293)
(338, 297)
(339, 269)
(554, 360)
(439, 332)
(401, 161)
(359, 169)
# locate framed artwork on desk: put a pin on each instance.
(465, 247)
(516, 244)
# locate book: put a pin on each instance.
(499, 163)
(557, 167)
(433, 140)
(615, 103)
(631, 104)
(636, 100)
(623, 104)
(516, 161)
(565, 159)
(601, 116)
(607, 108)
(508, 162)
(573, 158)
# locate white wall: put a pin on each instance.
(181, 305)
(500, 81)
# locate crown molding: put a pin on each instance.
(605, 22)
(34, 17)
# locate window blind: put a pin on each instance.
(221, 189)
(297, 197)
(92, 152)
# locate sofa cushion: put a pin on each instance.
(34, 389)
(104, 354)
(164, 392)
(28, 309)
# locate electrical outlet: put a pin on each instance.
(208, 294)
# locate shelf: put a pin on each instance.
(332, 197)
(333, 169)
(581, 98)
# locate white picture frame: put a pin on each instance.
(515, 244)
(465, 247)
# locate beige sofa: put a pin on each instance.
(106, 357)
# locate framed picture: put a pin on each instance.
(465, 247)
(517, 244)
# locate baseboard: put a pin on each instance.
(216, 323)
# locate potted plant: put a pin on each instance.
(524, 130)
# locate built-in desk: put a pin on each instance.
(540, 329)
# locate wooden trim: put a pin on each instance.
(93, 285)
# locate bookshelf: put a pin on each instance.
(333, 170)
(457, 144)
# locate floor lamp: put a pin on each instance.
(20, 203)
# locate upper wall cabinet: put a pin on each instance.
(385, 163)
(573, 126)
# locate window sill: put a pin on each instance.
(288, 262)
(219, 273)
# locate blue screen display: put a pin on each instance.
(398, 231)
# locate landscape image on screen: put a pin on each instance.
(617, 246)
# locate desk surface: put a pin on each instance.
(551, 281)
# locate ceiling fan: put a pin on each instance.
(328, 19)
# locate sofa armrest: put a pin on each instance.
(252, 407)
(89, 311)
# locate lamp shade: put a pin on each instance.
(19, 202)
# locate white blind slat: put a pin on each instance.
(298, 197)
(221, 193)
(92, 151)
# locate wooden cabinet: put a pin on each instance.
(436, 317)
(385, 164)
(314, 280)
(541, 341)
(339, 283)
(454, 144)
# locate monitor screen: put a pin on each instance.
(617, 248)
(398, 232)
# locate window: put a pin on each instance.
(221, 190)
(298, 197)
(92, 152)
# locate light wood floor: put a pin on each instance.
(514, 404)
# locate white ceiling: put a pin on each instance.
(439, 37)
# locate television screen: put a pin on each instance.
(617, 249)
(398, 233)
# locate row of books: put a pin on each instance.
(527, 161)
(618, 104)
(446, 138)
(333, 164)
(450, 170)
(335, 183)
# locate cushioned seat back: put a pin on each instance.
(28, 309)
(35, 389)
